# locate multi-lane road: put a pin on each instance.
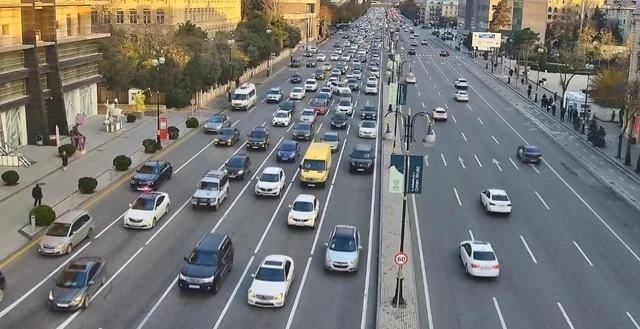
(568, 252)
(143, 265)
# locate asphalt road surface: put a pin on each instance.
(143, 265)
(568, 252)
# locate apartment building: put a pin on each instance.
(475, 15)
(634, 65)
(555, 8)
(620, 14)
(210, 15)
(432, 9)
(48, 69)
(302, 14)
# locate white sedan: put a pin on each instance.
(335, 57)
(495, 201)
(271, 282)
(311, 85)
(368, 129)
(281, 118)
(271, 182)
(297, 93)
(345, 58)
(308, 115)
(321, 58)
(146, 210)
(461, 96)
(479, 259)
(440, 113)
(410, 78)
(304, 211)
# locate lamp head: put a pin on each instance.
(161, 60)
(540, 50)
(268, 31)
(390, 109)
(429, 140)
(155, 62)
(230, 42)
(388, 136)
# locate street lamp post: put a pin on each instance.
(428, 140)
(268, 31)
(540, 51)
(589, 68)
(156, 62)
(230, 42)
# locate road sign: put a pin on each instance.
(396, 174)
(415, 174)
(402, 94)
(393, 93)
(401, 259)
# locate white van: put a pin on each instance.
(244, 97)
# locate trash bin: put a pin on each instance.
(39, 140)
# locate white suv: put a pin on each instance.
(340, 88)
(311, 85)
(271, 182)
(345, 105)
(461, 83)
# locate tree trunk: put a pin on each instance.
(638, 164)
(627, 153)
(619, 152)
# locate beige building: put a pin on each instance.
(48, 69)
(622, 16)
(210, 15)
(555, 8)
(432, 9)
(302, 14)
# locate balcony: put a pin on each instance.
(69, 35)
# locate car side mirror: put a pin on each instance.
(186, 259)
(91, 282)
(300, 166)
(289, 206)
(326, 244)
(253, 275)
(130, 205)
(359, 247)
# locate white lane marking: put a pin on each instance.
(299, 294)
(494, 139)
(454, 119)
(443, 160)
(70, 319)
(335, 175)
(526, 245)
(110, 225)
(622, 179)
(495, 303)
(633, 320)
(193, 157)
(290, 127)
(541, 199)
(157, 304)
(469, 106)
(463, 136)
(175, 214)
(434, 86)
(473, 238)
(348, 129)
(566, 317)
(273, 149)
(422, 263)
(235, 123)
(633, 188)
(477, 160)
(611, 170)
(461, 162)
(457, 196)
(39, 284)
(513, 163)
(233, 293)
(418, 91)
(439, 94)
(480, 121)
(534, 168)
(445, 105)
(423, 104)
(583, 254)
(263, 124)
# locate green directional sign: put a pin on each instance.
(402, 94)
(397, 178)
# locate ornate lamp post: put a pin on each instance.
(540, 51)
(589, 68)
(268, 31)
(230, 42)
(156, 62)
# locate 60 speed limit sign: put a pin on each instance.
(401, 259)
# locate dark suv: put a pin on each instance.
(362, 159)
(258, 138)
(210, 262)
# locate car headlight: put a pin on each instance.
(279, 296)
(216, 140)
(240, 172)
(132, 182)
(51, 295)
(251, 293)
(182, 277)
(208, 280)
(229, 140)
(78, 298)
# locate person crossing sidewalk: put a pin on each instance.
(36, 193)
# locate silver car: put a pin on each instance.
(217, 123)
(212, 190)
(333, 139)
(343, 249)
(66, 232)
(78, 283)
(308, 115)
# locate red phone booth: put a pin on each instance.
(163, 128)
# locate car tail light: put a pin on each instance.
(496, 266)
(474, 265)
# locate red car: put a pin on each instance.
(319, 107)
(444, 53)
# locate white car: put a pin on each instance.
(336, 72)
(271, 282)
(337, 51)
(148, 208)
(271, 182)
(345, 58)
(274, 95)
(479, 259)
(321, 58)
(368, 129)
(495, 201)
(461, 83)
(340, 88)
(304, 211)
(311, 85)
(423, 42)
(281, 118)
(308, 115)
(440, 113)
(371, 88)
(357, 74)
(345, 105)
(297, 93)
(461, 96)
(410, 78)
(374, 72)
(335, 57)
(326, 66)
(313, 49)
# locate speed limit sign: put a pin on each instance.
(401, 259)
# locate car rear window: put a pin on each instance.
(499, 197)
(484, 255)
(532, 150)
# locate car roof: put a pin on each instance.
(275, 89)
(308, 110)
(213, 174)
(331, 133)
(259, 128)
(70, 216)
(239, 156)
(311, 80)
(282, 111)
(363, 147)
(211, 242)
(271, 170)
(481, 246)
(275, 261)
(298, 87)
(82, 264)
(289, 142)
(440, 109)
(304, 198)
(344, 231)
(531, 148)
(153, 163)
(150, 195)
(497, 192)
(231, 129)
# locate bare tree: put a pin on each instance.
(568, 60)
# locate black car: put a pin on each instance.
(238, 166)
(362, 159)
(308, 54)
(296, 78)
(529, 153)
(444, 53)
(318, 74)
(151, 175)
(259, 138)
(227, 137)
(353, 84)
(412, 51)
(295, 62)
(303, 131)
(3, 282)
(339, 120)
(369, 112)
(311, 63)
(343, 68)
(77, 283)
(289, 106)
(210, 261)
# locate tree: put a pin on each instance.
(325, 14)
(568, 60)
(191, 38)
(501, 18)
(610, 90)
(522, 42)
(599, 18)
(409, 9)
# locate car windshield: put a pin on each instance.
(318, 165)
(317, 103)
(269, 178)
(209, 186)
(371, 84)
(303, 126)
(307, 113)
(288, 147)
(216, 120)
(361, 155)
(281, 115)
(357, 72)
(202, 258)
(258, 134)
(72, 279)
(58, 229)
(302, 206)
(274, 92)
(297, 90)
(441, 110)
(343, 244)
(368, 124)
(484, 255)
(344, 102)
(286, 105)
(235, 162)
(532, 150)
(341, 84)
(352, 80)
(239, 97)
(339, 116)
(499, 197)
(270, 274)
(144, 203)
(310, 82)
(330, 138)
(374, 69)
(146, 169)
(369, 108)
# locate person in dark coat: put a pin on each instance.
(543, 101)
(65, 160)
(562, 112)
(36, 193)
(529, 93)
(553, 109)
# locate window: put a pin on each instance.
(146, 16)
(119, 17)
(5, 29)
(94, 17)
(79, 24)
(160, 16)
(133, 17)
(68, 24)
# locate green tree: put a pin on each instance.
(409, 9)
(599, 18)
(522, 43)
(501, 18)
(190, 38)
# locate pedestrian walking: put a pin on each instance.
(522, 81)
(562, 112)
(543, 101)
(555, 97)
(65, 160)
(548, 107)
(510, 72)
(553, 109)
(529, 93)
(36, 193)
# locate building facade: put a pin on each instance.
(48, 69)
(475, 15)
(302, 14)
(210, 15)
(634, 64)
(431, 10)
(621, 15)
(556, 8)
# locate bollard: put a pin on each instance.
(32, 221)
(509, 80)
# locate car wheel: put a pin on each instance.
(166, 210)
(486, 209)
(69, 249)
(89, 233)
(170, 175)
(216, 207)
(153, 223)
(1, 295)
(86, 301)
(279, 193)
(216, 286)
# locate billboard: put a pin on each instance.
(486, 41)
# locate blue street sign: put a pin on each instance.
(396, 175)
(402, 94)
